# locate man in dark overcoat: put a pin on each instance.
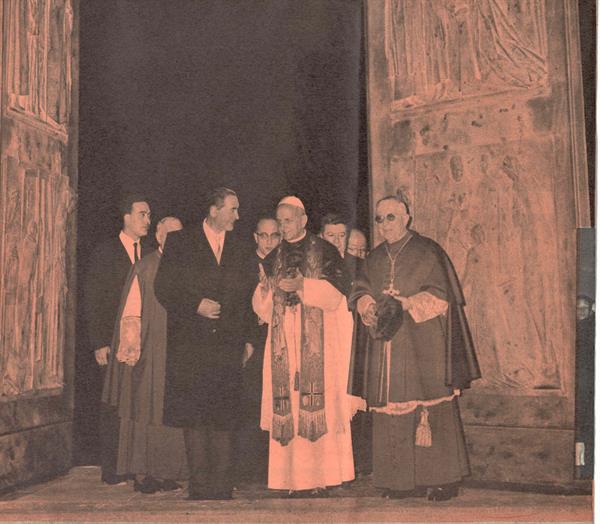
(202, 284)
(109, 266)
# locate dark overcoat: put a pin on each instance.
(107, 271)
(203, 367)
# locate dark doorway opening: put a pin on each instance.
(587, 26)
(178, 97)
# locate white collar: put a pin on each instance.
(126, 239)
(215, 240)
(297, 239)
(128, 242)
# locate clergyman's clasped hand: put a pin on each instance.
(369, 316)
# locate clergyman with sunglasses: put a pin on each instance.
(409, 296)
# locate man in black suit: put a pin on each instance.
(584, 392)
(110, 263)
(203, 285)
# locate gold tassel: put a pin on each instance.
(423, 437)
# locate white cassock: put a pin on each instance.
(303, 464)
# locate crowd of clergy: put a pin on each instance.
(300, 362)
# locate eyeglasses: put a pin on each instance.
(356, 251)
(390, 217)
(272, 236)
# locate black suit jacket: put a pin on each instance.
(204, 356)
(106, 275)
(257, 336)
(353, 264)
(360, 337)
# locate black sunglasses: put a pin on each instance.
(390, 217)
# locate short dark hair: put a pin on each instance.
(127, 201)
(334, 219)
(399, 197)
(264, 217)
(216, 197)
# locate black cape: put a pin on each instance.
(461, 366)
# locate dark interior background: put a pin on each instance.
(264, 96)
(176, 97)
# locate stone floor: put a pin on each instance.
(79, 496)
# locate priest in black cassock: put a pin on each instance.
(252, 442)
(420, 358)
(337, 231)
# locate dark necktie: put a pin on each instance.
(136, 256)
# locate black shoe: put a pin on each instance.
(441, 493)
(112, 480)
(317, 493)
(407, 494)
(170, 485)
(148, 486)
(206, 495)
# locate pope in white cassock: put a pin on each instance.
(305, 405)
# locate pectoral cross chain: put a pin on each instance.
(391, 290)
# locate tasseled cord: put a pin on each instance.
(423, 436)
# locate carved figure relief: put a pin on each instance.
(494, 221)
(39, 60)
(36, 199)
(442, 50)
(34, 287)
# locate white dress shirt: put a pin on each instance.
(215, 240)
(128, 245)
